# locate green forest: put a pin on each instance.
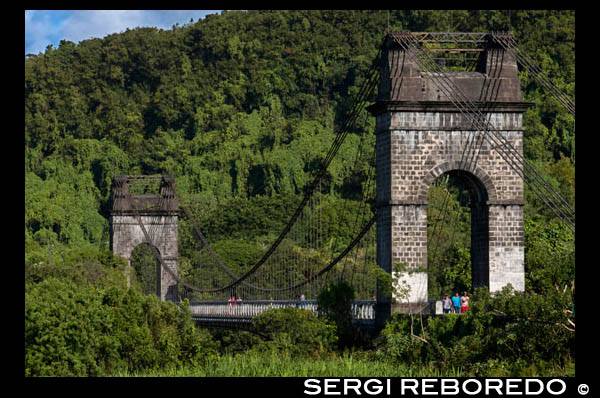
(241, 108)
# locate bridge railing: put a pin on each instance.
(361, 309)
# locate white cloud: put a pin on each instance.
(39, 31)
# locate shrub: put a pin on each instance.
(521, 331)
(335, 303)
(67, 331)
(297, 332)
(235, 341)
(79, 330)
(87, 265)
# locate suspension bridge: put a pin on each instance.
(445, 104)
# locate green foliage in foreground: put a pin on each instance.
(76, 324)
(275, 364)
(79, 330)
(509, 333)
(335, 301)
(295, 332)
(357, 364)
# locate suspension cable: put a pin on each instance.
(561, 208)
(509, 43)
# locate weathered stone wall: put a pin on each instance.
(414, 148)
(507, 251)
(126, 235)
(420, 135)
(412, 151)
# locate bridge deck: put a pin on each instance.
(244, 312)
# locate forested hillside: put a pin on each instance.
(241, 108)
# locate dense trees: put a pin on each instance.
(81, 320)
(93, 332)
(506, 333)
(241, 108)
(243, 104)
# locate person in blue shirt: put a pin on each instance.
(456, 303)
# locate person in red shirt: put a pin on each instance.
(231, 302)
(464, 302)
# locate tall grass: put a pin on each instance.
(277, 365)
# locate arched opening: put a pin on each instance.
(457, 234)
(146, 268)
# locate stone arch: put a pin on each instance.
(126, 234)
(420, 134)
(144, 276)
(475, 174)
(481, 192)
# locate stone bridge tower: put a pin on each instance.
(421, 135)
(156, 203)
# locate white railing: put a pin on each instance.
(364, 309)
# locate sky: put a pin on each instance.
(45, 27)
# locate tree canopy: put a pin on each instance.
(241, 107)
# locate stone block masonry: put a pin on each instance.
(421, 135)
(153, 199)
(126, 235)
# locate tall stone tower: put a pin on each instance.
(420, 135)
(159, 214)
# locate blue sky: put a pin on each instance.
(45, 27)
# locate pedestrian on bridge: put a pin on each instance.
(231, 302)
(447, 305)
(456, 303)
(302, 301)
(464, 302)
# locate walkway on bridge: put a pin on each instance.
(245, 311)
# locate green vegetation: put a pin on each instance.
(240, 108)
(335, 302)
(77, 328)
(449, 238)
(348, 365)
(509, 333)
(281, 365)
(295, 332)
(146, 268)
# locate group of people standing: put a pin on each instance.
(233, 301)
(457, 305)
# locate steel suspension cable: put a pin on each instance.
(358, 153)
(363, 209)
(535, 176)
(470, 144)
(508, 43)
(562, 209)
(466, 156)
(366, 92)
(451, 93)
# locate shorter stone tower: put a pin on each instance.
(153, 199)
